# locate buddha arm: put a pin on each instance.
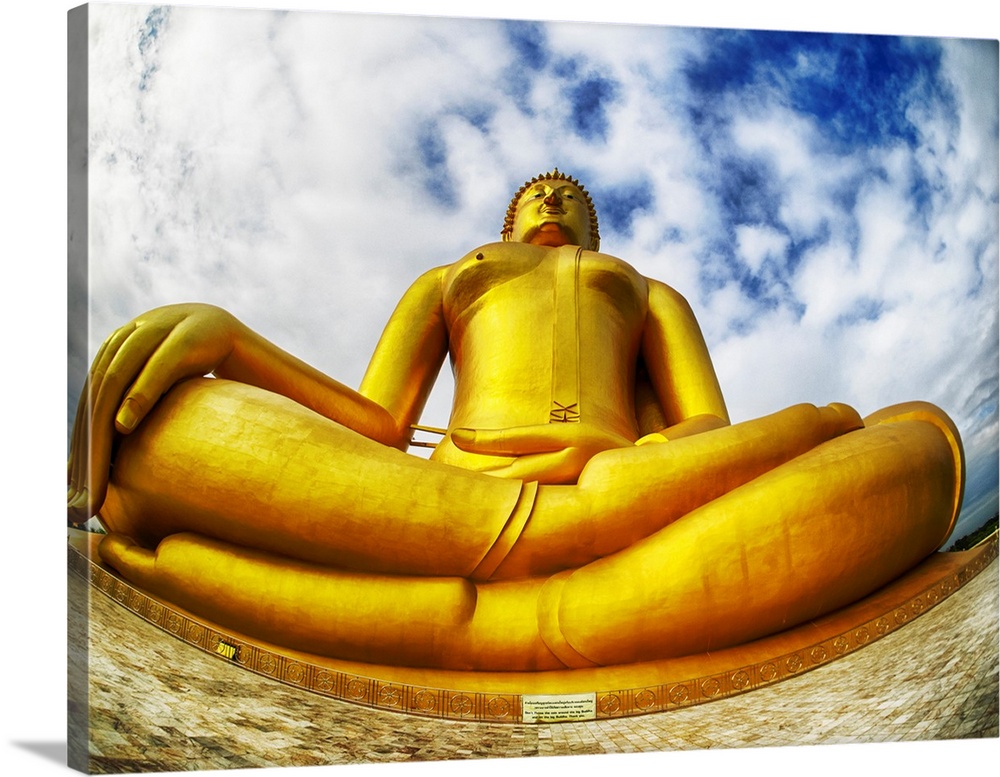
(397, 382)
(408, 356)
(142, 360)
(680, 368)
(258, 362)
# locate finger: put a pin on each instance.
(105, 356)
(92, 428)
(183, 353)
(81, 420)
(79, 508)
(83, 475)
(87, 478)
(124, 367)
(76, 475)
(133, 368)
(94, 434)
(516, 441)
(79, 448)
(554, 468)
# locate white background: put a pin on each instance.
(32, 45)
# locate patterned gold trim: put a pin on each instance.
(506, 707)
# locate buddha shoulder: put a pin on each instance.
(611, 275)
(496, 259)
(488, 267)
(498, 262)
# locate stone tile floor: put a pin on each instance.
(156, 704)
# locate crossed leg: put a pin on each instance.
(666, 549)
(255, 469)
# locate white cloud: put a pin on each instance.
(757, 243)
(827, 284)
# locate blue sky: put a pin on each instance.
(826, 202)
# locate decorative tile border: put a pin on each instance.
(506, 707)
(659, 698)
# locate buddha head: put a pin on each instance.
(552, 209)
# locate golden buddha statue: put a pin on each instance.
(590, 503)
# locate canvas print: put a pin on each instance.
(447, 388)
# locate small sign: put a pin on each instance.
(228, 650)
(545, 708)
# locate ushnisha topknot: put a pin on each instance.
(555, 175)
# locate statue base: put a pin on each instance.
(583, 694)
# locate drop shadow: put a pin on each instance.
(50, 751)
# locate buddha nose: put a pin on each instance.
(553, 198)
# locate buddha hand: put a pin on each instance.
(133, 368)
(547, 453)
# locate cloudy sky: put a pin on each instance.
(826, 202)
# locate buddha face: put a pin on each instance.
(552, 213)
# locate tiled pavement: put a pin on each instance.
(157, 704)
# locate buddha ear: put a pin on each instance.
(505, 237)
